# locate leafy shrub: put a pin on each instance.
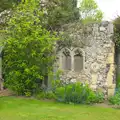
(55, 84)
(28, 94)
(28, 50)
(99, 97)
(95, 97)
(115, 100)
(78, 93)
(60, 94)
(118, 81)
(46, 95)
(91, 97)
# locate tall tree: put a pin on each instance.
(90, 12)
(28, 51)
(60, 12)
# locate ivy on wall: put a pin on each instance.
(116, 23)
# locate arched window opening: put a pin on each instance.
(66, 60)
(78, 61)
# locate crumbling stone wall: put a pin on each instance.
(95, 41)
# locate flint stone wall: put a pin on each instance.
(96, 44)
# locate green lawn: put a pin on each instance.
(12, 108)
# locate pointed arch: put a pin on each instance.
(79, 58)
(72, 60)
(65, 56)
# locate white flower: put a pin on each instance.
(73, 80)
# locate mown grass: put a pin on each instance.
(13, 108)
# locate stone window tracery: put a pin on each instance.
(72, 59)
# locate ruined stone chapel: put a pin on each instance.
(89, 57)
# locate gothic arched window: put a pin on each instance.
(78, 60)
(66, 60)
(72, 59)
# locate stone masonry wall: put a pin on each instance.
(95, 41)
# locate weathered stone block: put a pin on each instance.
(102, 29)
(111, 92)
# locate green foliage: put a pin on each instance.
(115, 100)
(55, 81)
(99, 97)
(90, 12)
(27, 94)
(116, 23)
(95, 97)
(118, 80)
(78, 93)
(60, 94)
(7, 4)
(91, 97)
(61, 12)
(55, 84)
(28, 51)
(46, 95)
